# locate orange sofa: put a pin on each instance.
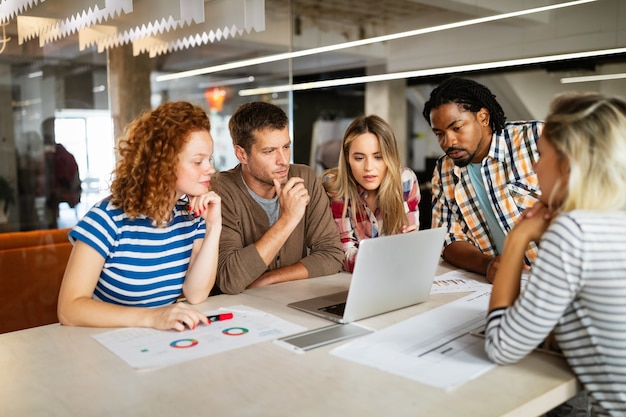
(31, 269)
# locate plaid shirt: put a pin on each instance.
(510, 182)
(369, 226)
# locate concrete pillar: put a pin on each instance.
(129, 85)
(387, 99)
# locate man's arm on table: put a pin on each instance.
(241, 267)
(467, 256)
(270, 244)
(320, 236)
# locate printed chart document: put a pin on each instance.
(458, 281)
(434, 348)
(149, 348)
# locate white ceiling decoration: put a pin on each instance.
(222, 19)
(53, 19)
(10, 8)
(152, 26)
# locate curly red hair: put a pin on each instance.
(145, 175)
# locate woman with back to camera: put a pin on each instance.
(156, 236)
(577, 287)
(370, 194)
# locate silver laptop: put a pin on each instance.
(391, 272)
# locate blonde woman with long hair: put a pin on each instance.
(577, 287)
(370, 193)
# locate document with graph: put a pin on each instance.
(459, 281)
(149, 348)
(434, 348)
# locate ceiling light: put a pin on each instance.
(587, 78)
(224, 83)
(429, 72)
(377, 39)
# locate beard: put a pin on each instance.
(265, 177)
(461, 162)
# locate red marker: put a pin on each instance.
(220, 317)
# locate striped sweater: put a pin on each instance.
(578, 288)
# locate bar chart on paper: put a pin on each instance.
(458, 281)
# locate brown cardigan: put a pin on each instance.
(314, 242)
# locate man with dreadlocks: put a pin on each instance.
(485, 180)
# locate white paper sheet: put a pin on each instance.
(434, 348)
(458, 281)
(149, 348)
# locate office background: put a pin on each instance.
(94, 65)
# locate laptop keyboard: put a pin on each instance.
(337, 309)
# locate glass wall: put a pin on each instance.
(55, 125)
(65, 99)
(91, 93)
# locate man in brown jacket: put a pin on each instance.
(277, 225)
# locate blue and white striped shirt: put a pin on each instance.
(578, 287)
(144, 265)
